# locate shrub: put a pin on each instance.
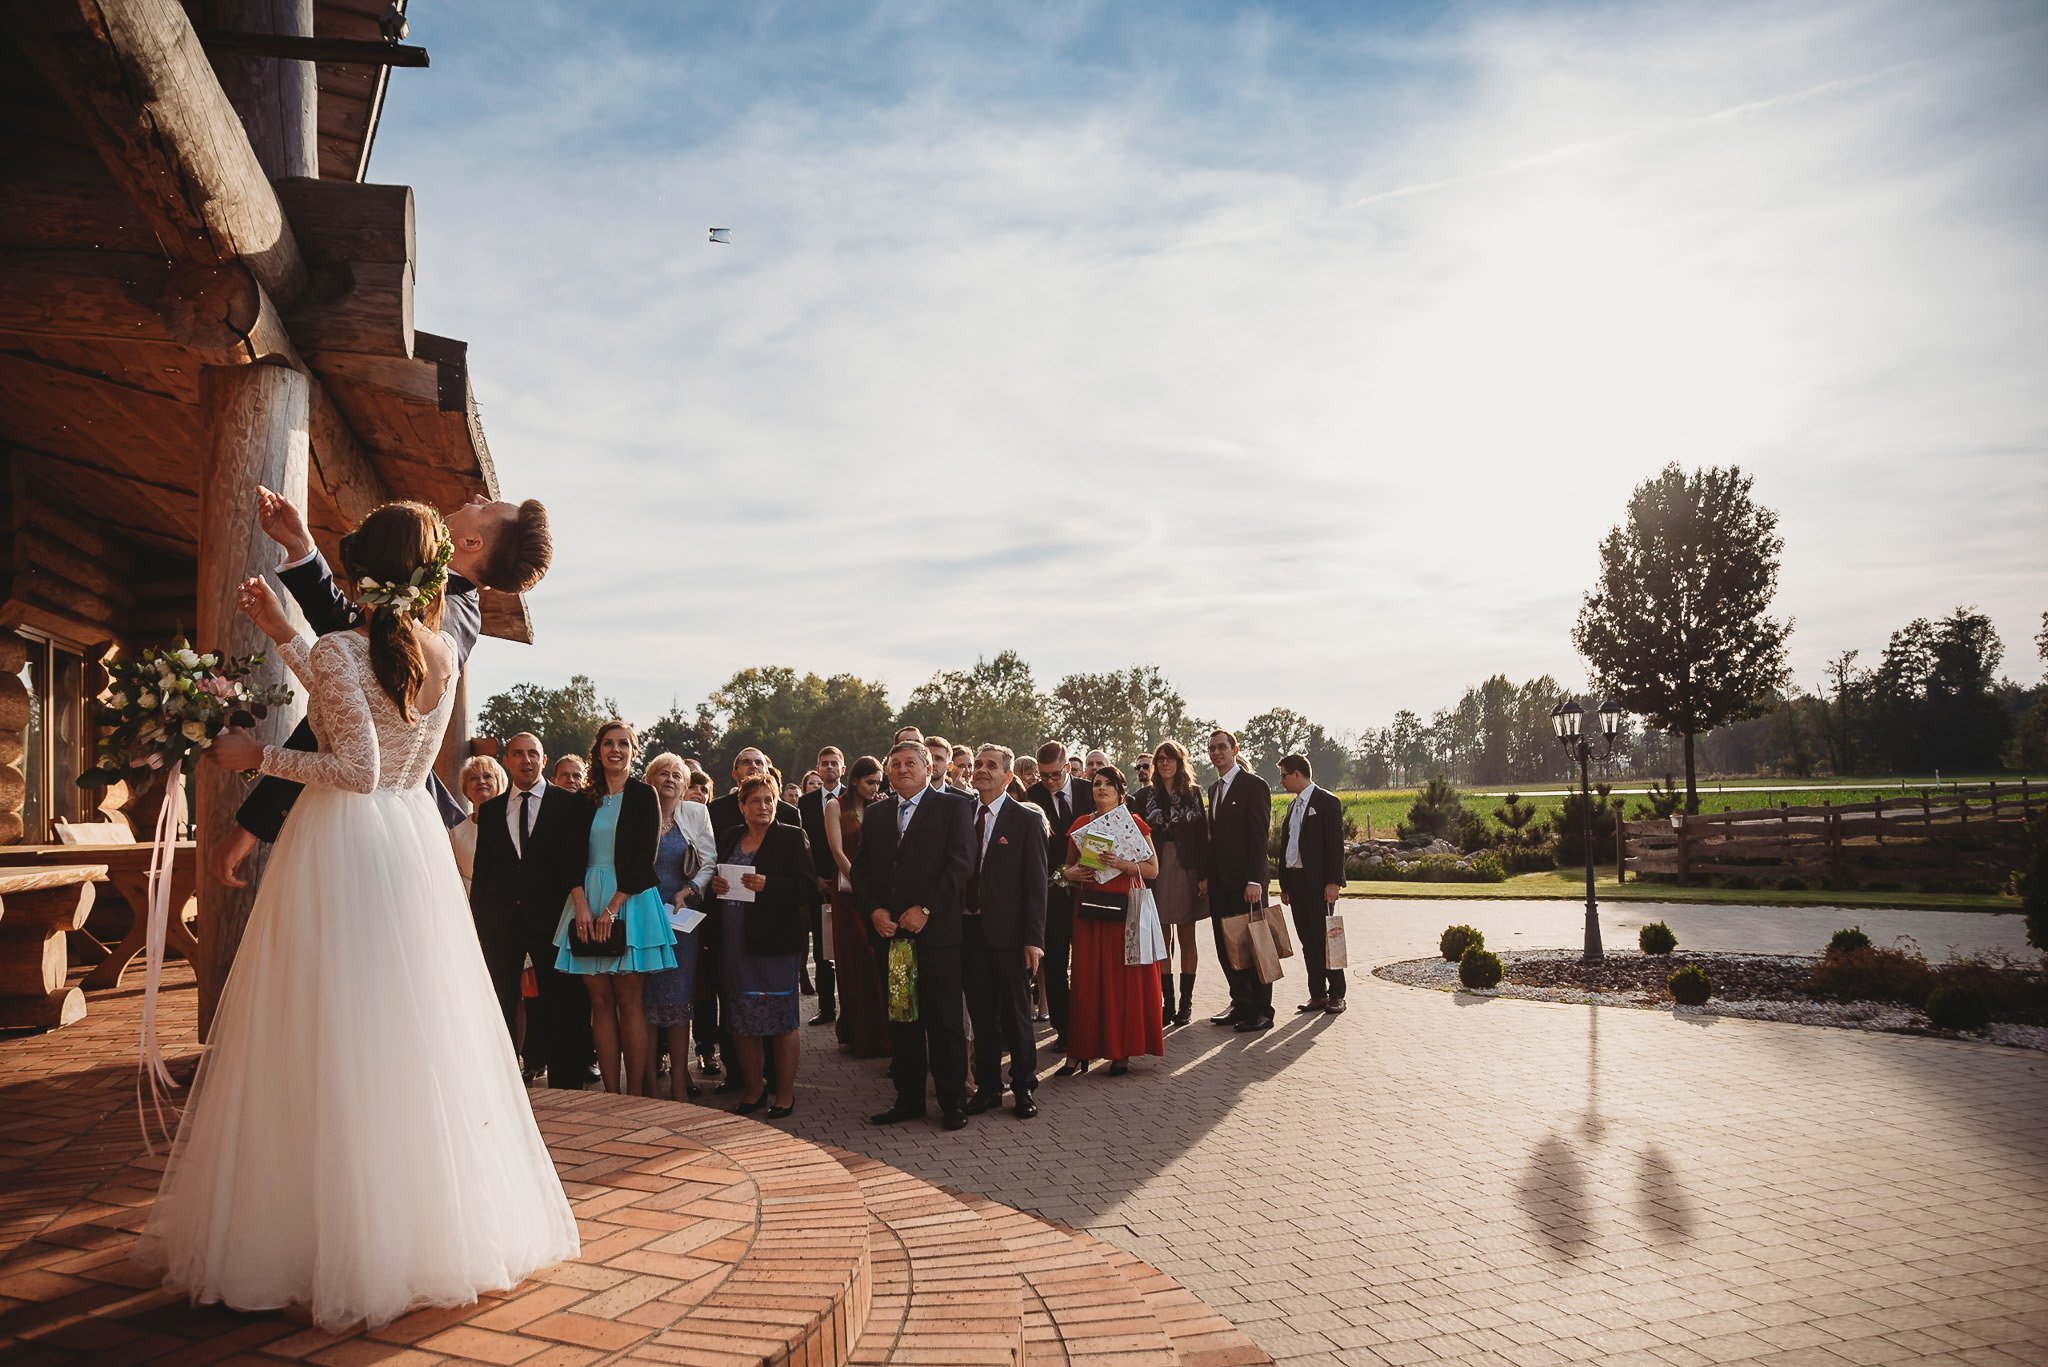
(1959, 1006)
(1660, 801)
(1884, 885)
(1848, 938)
(1792, 883)
(1431, 868)
(1690, 986)
(2014, 991)
(1486, 868)
(1571, 845)
(1656, 938)
(2036, 888)
(1740, 881)
(1873, 975)
(1457, 940)
(1438, 812)
(1479, 968)
(1539, 859)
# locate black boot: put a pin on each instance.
(1187, 999)
(1166, 998)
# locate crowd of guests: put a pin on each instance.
(934, 895)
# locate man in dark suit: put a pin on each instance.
(725, 810)
(1240, 827)
(497, 545)
(1312, 876)
(527, 859)
(811, 811)
(1059, 797)
(916, 851)
(1002, 929)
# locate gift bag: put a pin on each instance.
(1333, 942)
(529, 981)
(1265, 957)
(825, 934)
(1276, 921)
(902, 988)
(1237, 942)
(1144, 937)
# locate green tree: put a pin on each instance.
(1676, 629)
(692, 736)
(1123, 712)
(1935, 697)
(790, 717)
(1439, 812)
(996, 701)
(566, 719)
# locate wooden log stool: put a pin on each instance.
(37, 906)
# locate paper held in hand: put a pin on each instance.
(735, 890)
(1126, 841)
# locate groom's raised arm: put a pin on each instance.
(311, 585)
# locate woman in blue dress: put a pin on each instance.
(684, 838)
(762, 942)
(614, 928)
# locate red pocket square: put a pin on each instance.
(1002, 840)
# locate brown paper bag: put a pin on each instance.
(1333, 930)
(1265, 957)
(1276, 920)
(1237, 940)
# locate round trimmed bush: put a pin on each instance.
(1456, 940)
(1656, 938)
(1691, 986)
(1847, 940)
(1959, 1006)
(1487, 868)
(1479, 967)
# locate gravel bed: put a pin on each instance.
(1746, 987)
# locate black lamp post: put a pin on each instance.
(1566, 719)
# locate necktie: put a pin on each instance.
(980, 847)
(1059, 801)
(525, 821)
(903, 812)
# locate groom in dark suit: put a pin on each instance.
(497, 545)
(529, 853)
(916, 852)
(1003, 930)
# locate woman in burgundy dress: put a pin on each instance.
(863, 1025)
(1113, 1009)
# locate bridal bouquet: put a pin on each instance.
(162, 707)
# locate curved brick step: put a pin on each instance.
(1092, 1314)
(1201, 1336)
(963, 1303)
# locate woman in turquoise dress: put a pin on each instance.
(615, 928)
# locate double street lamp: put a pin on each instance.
(1567, 719)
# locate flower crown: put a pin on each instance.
(411, 595)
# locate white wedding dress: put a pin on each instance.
(358, 1140)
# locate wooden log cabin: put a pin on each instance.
(200, 292)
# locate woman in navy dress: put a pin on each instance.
(762, 942)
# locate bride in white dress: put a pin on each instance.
(358, 1140)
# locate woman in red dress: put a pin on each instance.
(1113, 1008)
(863, 1026)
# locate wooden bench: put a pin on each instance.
(126, 867)
(37, 906)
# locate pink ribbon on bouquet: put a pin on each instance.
(153, 1074)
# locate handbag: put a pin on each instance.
(1333, 942)
(1099, 905)
(1237, 939)
(610, 947)
(1265, 957)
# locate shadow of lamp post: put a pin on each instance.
(1567, 719)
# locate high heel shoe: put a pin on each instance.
(1119, 1068)
(1072, 1069)
(782, 1112)
(749, 1107)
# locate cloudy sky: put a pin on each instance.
(1305, 351)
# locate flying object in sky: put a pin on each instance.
(719, 235)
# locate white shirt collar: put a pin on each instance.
(539, 788)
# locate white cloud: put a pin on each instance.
(1113, 337)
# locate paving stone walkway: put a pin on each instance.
(1440, 1179)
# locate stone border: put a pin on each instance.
(1439, 974)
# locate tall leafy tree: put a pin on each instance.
(1935, 698)
(566, 719)
(1123, 712)
(791, 716)
(996, 701)
(691, 735)
(1677, 628)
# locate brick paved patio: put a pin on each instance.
(1426, 1179)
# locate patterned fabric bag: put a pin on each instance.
(902, 981)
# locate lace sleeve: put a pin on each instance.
(297, 654)
(347, 757)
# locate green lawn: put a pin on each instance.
(1570, 885)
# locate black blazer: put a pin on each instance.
(811, 816)
(327, 609)
(1187, 839)
(633, 845)
(1322, 840)
(927, 868)
(1240, 829)
(726, 814)
(1078, 801)
(511, 897)
(778, 920)
(1012, 881)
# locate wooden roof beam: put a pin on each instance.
(134, 74)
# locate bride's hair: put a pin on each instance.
(389, 546)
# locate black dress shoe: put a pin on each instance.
(729, 1086)
(1182, 1016)
(983, 1101)
(1026, 1107)
(1253, 1024)
(709, 1067)
(749, 1107)
(897, 1114)
(1119, 1068)
(824, 1018)
(782, 1112)
(1228, 1017)
(953, 1120)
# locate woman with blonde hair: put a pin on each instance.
(480, 779)
(683, 865)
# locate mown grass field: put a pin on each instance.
(1571, 884)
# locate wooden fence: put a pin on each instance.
(1953, 835)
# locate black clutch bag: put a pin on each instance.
(1098, 905)
(610, 946)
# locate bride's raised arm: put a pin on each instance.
(260, 604)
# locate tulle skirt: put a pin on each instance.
(357, 1139)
